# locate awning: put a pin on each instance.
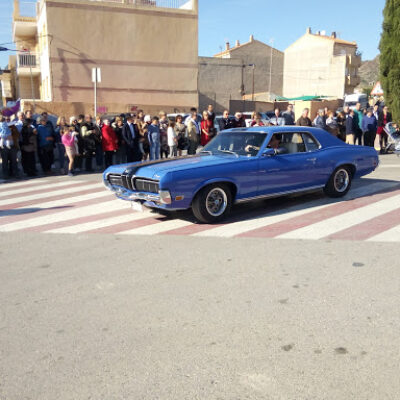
(303, 98)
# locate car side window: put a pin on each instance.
(310, 143)
(293, 143)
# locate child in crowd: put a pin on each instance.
(172, 139)
(68, 139)
(153, 131)
(6, 140)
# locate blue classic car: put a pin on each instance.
(240, 165)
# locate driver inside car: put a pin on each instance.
(274, 143)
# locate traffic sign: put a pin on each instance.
(377, 89)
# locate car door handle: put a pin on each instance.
(312, 159)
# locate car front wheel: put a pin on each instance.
(339, 183)
(212, 204)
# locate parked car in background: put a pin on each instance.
(240, 165)
(352, 99)
(248, 118)
(172, 117)
(269, 114)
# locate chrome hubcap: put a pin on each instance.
(341, 180)
(216, 202)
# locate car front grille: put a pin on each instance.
(145, 185)
(115, 179)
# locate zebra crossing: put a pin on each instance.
(369, 212)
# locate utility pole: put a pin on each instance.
(252, 93)
(270, 68)
(96, 78)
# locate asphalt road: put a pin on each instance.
(173, 317)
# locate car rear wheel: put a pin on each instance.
(212, 204)
(339, 183)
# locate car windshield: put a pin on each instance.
(237, 142)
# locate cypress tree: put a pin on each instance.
(390, 56)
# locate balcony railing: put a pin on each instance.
(353, 80)
(28, 60)
(184, 4)
(354, 60)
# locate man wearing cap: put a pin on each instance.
(131, 136)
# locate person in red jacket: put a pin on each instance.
(207, 127)
(109, 142)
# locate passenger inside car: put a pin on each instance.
(275, 143)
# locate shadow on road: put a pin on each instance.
(22, 211)
(281, 205)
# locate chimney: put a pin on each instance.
(308, 30)
(333, 36)
(227, 46)
(16, 8)
(251, 38)
(237, 43)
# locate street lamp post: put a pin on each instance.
(252, 92)
(96, 78)
(270, 68)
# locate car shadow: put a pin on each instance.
(26, 211)
(256, 209)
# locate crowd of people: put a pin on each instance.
(353, 126)
(86, 144)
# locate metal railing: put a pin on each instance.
(27, 60)
(184, 4)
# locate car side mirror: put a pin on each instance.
(268, 152)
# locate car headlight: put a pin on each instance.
(165, 197)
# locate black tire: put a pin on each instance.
(213, 203)
(339, 183)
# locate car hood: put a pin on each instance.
(158, 168)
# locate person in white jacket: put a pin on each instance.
(172, 139)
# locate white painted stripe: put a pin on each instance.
(346, 220)
(5, 186)
(389, 166)
(45, 195)
(40, 187)
(391, 235)
(102, 223)
(66, 215)
(263, 220)
(74, 199)
(157, 228)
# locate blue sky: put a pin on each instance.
(285, 21)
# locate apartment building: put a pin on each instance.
(318, 64)
(133, 42)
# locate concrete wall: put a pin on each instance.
(221, 79)
(311, 68)
(148, 56)
(69, 109)
(259, 54)
(314, 106)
